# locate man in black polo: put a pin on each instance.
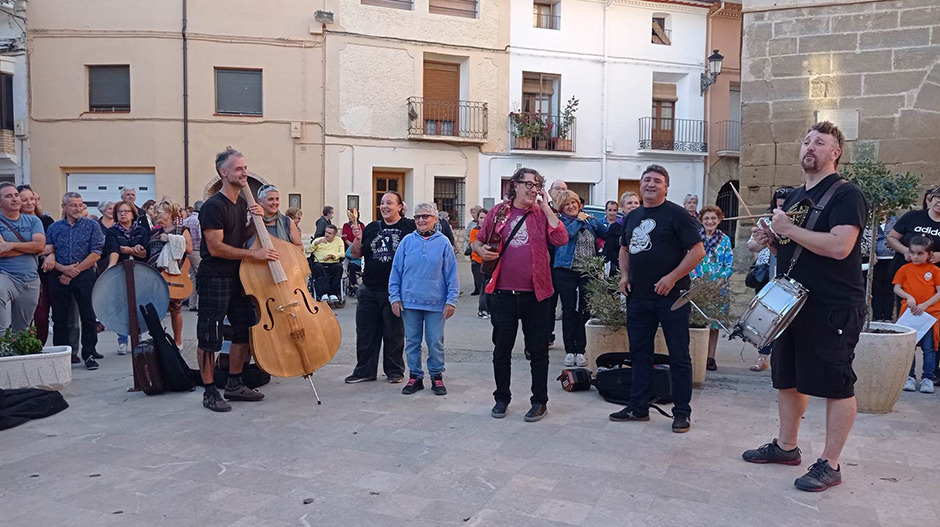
(660, 246)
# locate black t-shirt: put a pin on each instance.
(832, 284)
(612, 243)
(379, 243)
(218, 212)
(915, 223)
(657, 239)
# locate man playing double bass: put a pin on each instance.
(225, 229)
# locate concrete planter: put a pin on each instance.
(51, 369)
(882, 362)
(603, 339)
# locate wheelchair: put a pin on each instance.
(318, 273)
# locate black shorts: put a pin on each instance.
(815, 353)
(220, 297)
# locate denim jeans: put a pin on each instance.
(572, 291)
(930, 356)
(506, 310)
(376, 326)
(123, 339)
(644, 316)
(431, 324)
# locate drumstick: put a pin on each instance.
(758, 216)
(741, 200)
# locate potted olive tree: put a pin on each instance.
(884, 352)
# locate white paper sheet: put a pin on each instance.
(921, 323)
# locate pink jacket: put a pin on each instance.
(540, 235)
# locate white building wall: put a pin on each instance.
(16, 167)
(576, 53)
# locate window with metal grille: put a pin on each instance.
(238, 92)
(109, 88)
(449, 196)
(464, 8)
(727, 201)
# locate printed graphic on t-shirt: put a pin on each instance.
(923, 229)
(640, 241)
(384, 245)
(801, 210)
(928, 275)
(522, 235)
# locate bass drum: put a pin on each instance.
(771, 311)
(109, 297)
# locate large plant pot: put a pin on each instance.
(882, 362)
(604, 339)
(51, 369)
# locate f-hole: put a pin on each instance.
(267, 307)
(312, 311)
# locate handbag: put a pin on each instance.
(489, 266)
(758, 276)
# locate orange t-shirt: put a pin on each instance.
(473, 237)
(920, 281)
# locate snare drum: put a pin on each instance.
(771, 311)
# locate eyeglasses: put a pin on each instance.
(423, 216)
(123, 211)
(529, 185)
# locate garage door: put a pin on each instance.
(96, 188)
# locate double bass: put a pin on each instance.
(295, 334)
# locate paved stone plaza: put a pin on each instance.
(371, 456)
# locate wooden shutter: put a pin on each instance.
(109, 88)
(664, 92)
(464, 8)
(238, 91)
(441, 93)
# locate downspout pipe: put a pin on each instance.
(708, 103)
(604, 102)
(185, 111)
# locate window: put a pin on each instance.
(449, 196)
(238, 92)
(545, 16)
(6, 102)
(109, 88)
(661, 31)
(464, 8)
(540, 92)
(441, 97)
(396, 4)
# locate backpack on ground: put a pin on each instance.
(614, 378)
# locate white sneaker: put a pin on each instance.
(122, 348)
(325, 298)
(334, 298)
(580, 360)
(569, 359)
(910, 385)
(926, 386)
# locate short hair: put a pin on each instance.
(327, 209)
(430, 208)
(103, 206)
(401, 200)
(125, 189)
(120, 204)
(564, 196)
(558, 181)
(484, 211)
(223, 156)
(690, 197)
(172, 207)
(518, 176)
(659, 169)
(921, 241)
(6, 184)
(627, 194)
(711, 208)
(70, 195)
(475, 211)
(148, 203)
(611, 202)
(197, 205)
(828, 128)
(331, 228)
(294, 213)
(265, 190)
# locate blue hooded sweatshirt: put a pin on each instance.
(424, 273)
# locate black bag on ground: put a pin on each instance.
(147, 364)
(21, 405)
(614, 378)
(575, 379)
(252, 375)
(176, 373)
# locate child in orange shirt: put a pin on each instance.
(918, 284)
(479, 280)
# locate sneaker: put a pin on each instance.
(680, 423)
(762, 364)
(195, 308)
(772, 453)
(353, 379)
(96, 355)
(395, 379)
(76, 360)
(499, 409)
(334, 298)
(483, 314)
(910, 385)
(99, 327)
(579, 360)
(536, 413)
(240, 392)
(437, 385)
(414, 384)
(91, 364)
(627, 415)
(711, 365)
(569, 359)
(926, 386)
(122, 348)
(325, 298)
(213, 400)
(819, 477)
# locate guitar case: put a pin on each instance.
(176, 373)
(147, 373)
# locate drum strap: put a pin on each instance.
(813, 216)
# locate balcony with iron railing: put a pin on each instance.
(726, 136)
(532, 131)
(682, 136)
(461, 121)
(546, 21)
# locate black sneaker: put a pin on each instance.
(680, 423)
(627, 415)
(536, 413)
(353, 379)
(414, 384)
(711, 365)
(437, 385)
(76, 359)
(240, 392)
(213, 400)
(395, 379)
(819, 477)
(772, 453)
(499, 409)
(96, 355)
(91, 364)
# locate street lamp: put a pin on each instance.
(714, 70)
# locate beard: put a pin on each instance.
(810, 163)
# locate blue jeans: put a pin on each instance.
(430, 323)
(122, 339)
(930, 356)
